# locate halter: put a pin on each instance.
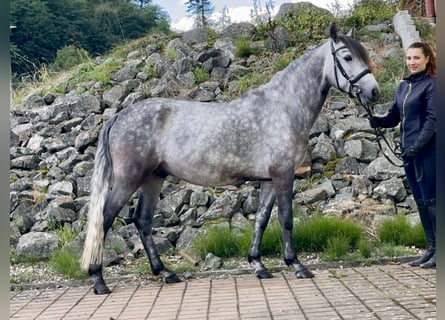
(353, 87)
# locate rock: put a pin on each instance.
(37, 245)
(212, 262)
(222, 209)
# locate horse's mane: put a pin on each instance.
(356, 48)
(352, 44)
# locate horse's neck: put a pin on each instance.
(304, 85)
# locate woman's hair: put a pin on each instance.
(428, 52)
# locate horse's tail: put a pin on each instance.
(100, 185)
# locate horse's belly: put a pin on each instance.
(213, 174)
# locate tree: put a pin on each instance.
(224, 20)
(200, 10)
(142, 3)
(42, 27)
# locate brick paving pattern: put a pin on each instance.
(376, 292)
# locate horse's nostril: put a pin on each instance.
(375, 93)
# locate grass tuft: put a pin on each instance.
(66, 262)
(398, 231)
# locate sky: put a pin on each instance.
(239, 10)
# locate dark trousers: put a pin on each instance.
(421, 176)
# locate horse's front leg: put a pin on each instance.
(143, 220)
(267, 200)
(283, 189)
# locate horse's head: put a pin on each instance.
(350, 70)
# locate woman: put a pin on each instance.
(414, 107)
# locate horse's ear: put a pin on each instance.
(333, 32)
(351, 32)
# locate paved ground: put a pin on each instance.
(377, 292)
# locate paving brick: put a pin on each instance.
(376, 292)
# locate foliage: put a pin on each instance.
(41, 27)
(333, 235)
(66, 236)
(398, 231)
(336, 247)
(251, 80)
(45, 26)
(150, 70)
(220, 241)
(426, 30)
(224, 20)
(264, 21)
(211, 36)
(392, 251)
(389, 74)
(90, 71)
(281, 63)
(244, 47)
(365, 12)
(308, 25)
(201, 75)
(68, 57)
(309, 182)
(262, 15)
(200, 10)
(272, 243)
(365, 247)
(66, 262)
(313, 234)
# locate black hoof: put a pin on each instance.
(263, 274)
(172, 278)
(101, 289)
(303, 273)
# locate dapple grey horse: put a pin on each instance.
(261, 136)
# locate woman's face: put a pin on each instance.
(416, 61)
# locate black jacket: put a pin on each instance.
(414, 107)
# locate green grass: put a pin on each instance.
(201, 75)
(244, 47)
(66, 262)
(389, 74)
(336, 248)
(251, 80)
(313, 234)
(222, 242)
(392, 251)
(397, 231)
(66, 236)
(334, 238)
(333, 235)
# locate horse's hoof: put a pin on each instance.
(263, 274)
(303, 273)
(172, 278)
(101, 289)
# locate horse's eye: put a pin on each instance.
(348, 58)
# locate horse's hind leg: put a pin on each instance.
(148, 197)
(115, 201)
(267, 200)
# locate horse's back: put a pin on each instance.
(204, 143)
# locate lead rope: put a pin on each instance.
(380, 135)
(377, 131)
